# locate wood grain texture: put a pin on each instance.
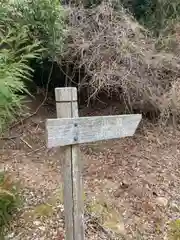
(67, 131)
(73, 201)
(67, 94)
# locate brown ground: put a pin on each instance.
(139, 177)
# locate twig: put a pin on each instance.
(26, 143)
(36, 127)
(67, 77)
(13, 141)
(10, 137)
(36, 150)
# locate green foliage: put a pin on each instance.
(157, 15)
(29, 32)
(174, 232)
(14, 71)
(45, 20)
(43, 210)
(9, 200)
(141, 9)
(165, 15)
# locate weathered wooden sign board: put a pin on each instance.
(69, 130)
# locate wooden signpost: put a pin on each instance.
(69, 130)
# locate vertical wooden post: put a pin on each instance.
(66, 104)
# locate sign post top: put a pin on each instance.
(68, 94)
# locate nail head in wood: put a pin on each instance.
(75, 139)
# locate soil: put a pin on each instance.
(138, 176)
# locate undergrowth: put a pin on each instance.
(161, 18)
(119, 54)
(135, 56)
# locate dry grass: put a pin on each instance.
(119, 54)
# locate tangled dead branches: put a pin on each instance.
(119, 54)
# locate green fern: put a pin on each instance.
(29, 30)
(14, 71)
(45, 20)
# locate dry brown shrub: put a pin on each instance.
(118, 53)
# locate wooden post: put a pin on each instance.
(66, 104)
(68, 131)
